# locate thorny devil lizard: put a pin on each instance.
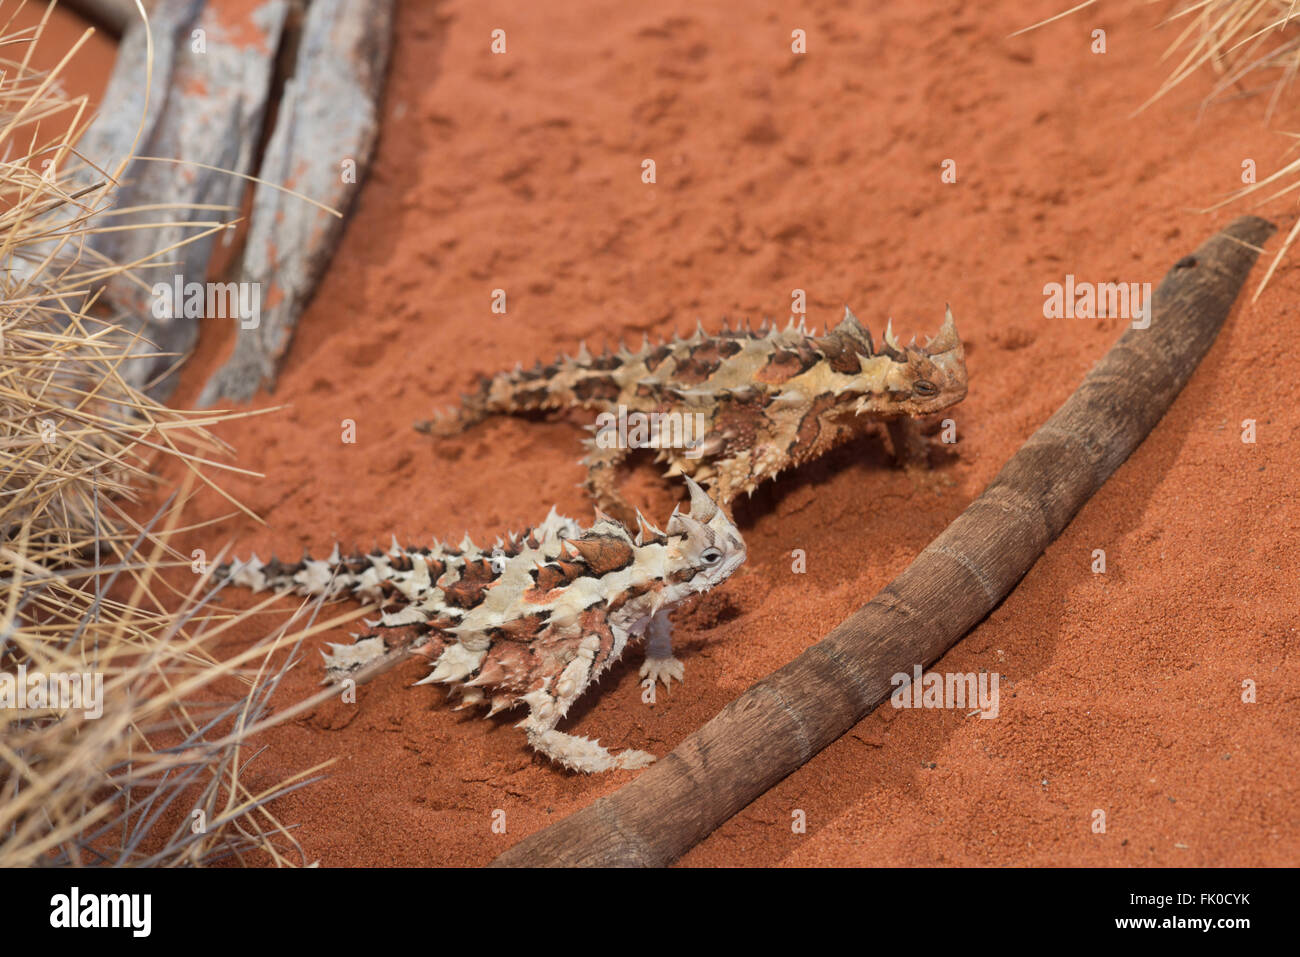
(765, 401)
(533, 621)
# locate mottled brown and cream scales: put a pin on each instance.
(533, 621)
(733, 409)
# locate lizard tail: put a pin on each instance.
(585, 380)
(357, 574)
(376, 576)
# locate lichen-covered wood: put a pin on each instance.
(208, 100)
(325, 130)
(209, 103)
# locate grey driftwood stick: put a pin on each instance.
(328, 119)
(786, 718)
(208, 109)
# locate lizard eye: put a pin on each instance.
(925, 387)
(711, 556)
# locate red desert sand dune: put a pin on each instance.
(1121, 691)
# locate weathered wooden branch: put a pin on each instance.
(206, 108)
(782, 721)
(321, 146)
(209, 107)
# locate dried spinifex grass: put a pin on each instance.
(154, 770)
(1243, 41)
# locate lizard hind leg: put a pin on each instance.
(602, 481)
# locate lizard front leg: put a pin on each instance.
(660, 665)
(911, 449)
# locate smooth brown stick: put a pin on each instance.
(782, 721)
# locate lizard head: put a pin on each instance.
(899, 380)
(704, 547)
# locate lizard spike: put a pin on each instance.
(499, 703)
(682, 524)
(455, 664)
(702, 507)
(892, 348)
(850, 325)
(710, 446)
(417, 581)
(647, 527)
(583, 355)
(469, 698)
(946, 340)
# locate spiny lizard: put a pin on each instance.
(533, 621)
(732, 409)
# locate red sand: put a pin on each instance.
(87, 73)
(1120, 692)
